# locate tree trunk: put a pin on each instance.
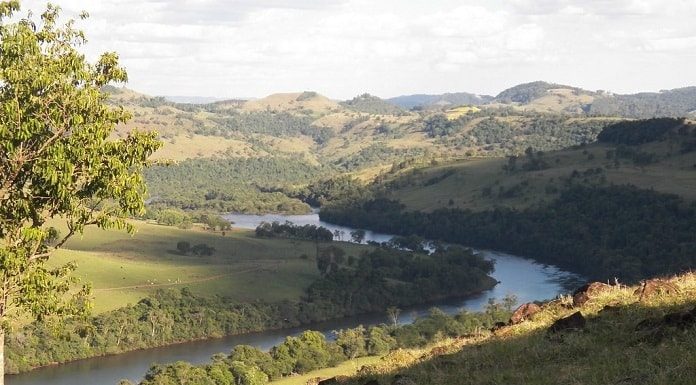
(2, 356)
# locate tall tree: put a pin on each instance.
(58, 160)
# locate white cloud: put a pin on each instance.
(345, 47)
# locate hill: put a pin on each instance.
(290, 140)
(425, 101)
(622, 335)
(372, 105)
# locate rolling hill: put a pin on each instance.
(304, 137)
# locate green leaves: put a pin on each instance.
(58, 159)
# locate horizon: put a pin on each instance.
(217, 99)
(255, 48)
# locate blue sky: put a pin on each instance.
(342, 48)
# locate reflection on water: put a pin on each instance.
(522, 277)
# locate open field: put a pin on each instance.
(477, 183)
(124, 268)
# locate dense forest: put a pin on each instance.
(349, 285)
(231, 184)
(602, 232)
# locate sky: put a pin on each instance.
(342, 48)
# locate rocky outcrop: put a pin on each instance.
(587, 292)
(654, 287)
(524, 312)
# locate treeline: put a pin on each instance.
(311, 350)
(319, 193)
(165, 318)
(638, 132)
(231, 184)
(601, 232)
(674, 103)
(290, 230)
(372, 282)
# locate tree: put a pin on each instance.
(358, 236)
(393, 313)
(58, 160)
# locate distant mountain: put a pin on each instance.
(192, 99)
(372, 105)
(528, 92)
(449, 99)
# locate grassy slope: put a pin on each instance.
(610, 349)
(672, 174)
(124, 269)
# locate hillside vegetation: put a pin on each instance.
(623, 207)
(626, 336)
(294, 139)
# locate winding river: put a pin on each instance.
(522, 277)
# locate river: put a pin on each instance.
(524, 278)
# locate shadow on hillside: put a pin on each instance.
(621, 343)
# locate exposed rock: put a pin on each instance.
(655, 286)
(574, 321)
(524, 312)
(402, 380)
(587, 292)
(680, 319)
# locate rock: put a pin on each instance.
(587, 292)
(655, 286)
(574, 321)
(402, 380)
(524, 312)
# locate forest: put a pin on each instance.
(603, 232)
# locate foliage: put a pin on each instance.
(230, 185)
(386, 277)
(311, 350)
(637, 132)
(602, 232)
(372, 105)
(673, 103)
(290, 230)
(58, 159)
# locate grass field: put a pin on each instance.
(124, 268)
(463, 184)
